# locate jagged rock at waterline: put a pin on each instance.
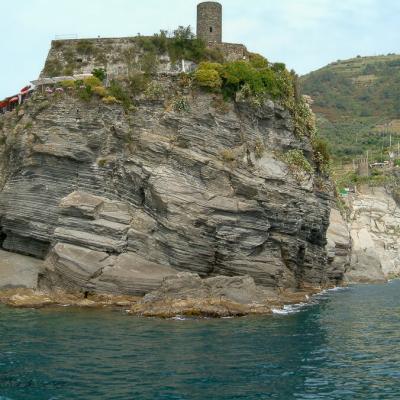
(221, 296)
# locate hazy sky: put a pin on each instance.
(305, 34)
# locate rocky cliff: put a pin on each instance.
(114, 200)
(364, 246)
(374, 228)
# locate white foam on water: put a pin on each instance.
(311, 300)
(327, 291)
(289, 309)
(179, 318)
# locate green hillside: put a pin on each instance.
(357, 103)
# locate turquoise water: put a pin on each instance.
(345, 346)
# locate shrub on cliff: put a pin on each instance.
(184, 45)
(137, 82)
(321, 154)
(99, 73)
(110, 100)
(149, 63)
(180, 104)
(227, 155)
(303, 117)
(92, 81)
(258, 61)
(180, 44)
(117, 90)
(154, 91)
(236, 74)
(207, 76)
(85, 92)
(67, 84)
(278, 67)
(256, 76)
(100, 91)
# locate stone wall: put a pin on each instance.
(231, 51)
(118, 56)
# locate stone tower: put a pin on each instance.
(209, 22)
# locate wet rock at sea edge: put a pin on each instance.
(221, 296)
(29, 298)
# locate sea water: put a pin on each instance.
(345, 344)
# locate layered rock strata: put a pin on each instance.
(115, 201)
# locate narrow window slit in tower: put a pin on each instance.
(211, 29)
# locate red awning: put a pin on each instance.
(13, 99)
(26, 88)
(3, 104)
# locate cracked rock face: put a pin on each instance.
(339, 247)
(374, 228)
(117, 201)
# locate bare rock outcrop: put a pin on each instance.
(339, 246)
(374, 227)
(221, 296)
(18, 271)
(116, 200)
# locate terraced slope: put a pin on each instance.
(358, 104)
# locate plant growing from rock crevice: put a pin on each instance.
(228, 156)
(297, 163)
(180, 104)
(154, 91)
(259, 148)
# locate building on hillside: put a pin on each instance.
(209, 29)
(122, 57)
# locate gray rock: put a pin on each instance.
(131, 274)
(185, 285)
(18, 271)
(373, 224)
(81, 205)
(156, 183)
(72, 267)
(90, 240)
(80, 269)
(339, 247)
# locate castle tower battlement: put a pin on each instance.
(209, 22)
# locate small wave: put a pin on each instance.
(327, 291)
(337, 288)
(179, 318)
(289, 309)
(311, 301)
